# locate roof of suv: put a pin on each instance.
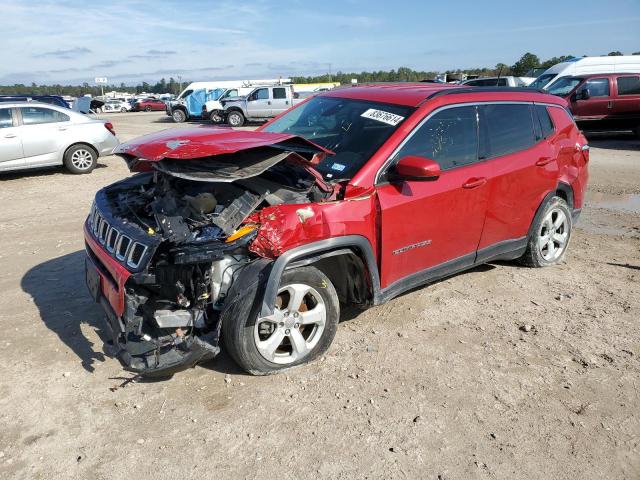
(415, 94)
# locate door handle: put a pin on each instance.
(474, 182)
(62, 128)
(10, 135)
(544, 161)
(610, 104)
(269, 102)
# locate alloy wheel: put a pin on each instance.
(296, 326)
(82, 159)
(553, 235)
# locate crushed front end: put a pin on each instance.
(164, 246)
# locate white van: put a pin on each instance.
(586, 66)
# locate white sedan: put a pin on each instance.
(116, 106)
(34, 135)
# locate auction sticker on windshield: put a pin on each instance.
(382, 116)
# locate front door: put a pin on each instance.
(598, 105)
(259, 103)
(435, 226)
(11, 154)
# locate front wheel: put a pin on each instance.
(123, 110)
(235, 119)
(216, 117)
(178, 116)
(147, 108)
(549, 236)
(302, 327)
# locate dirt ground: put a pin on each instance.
(441, 383)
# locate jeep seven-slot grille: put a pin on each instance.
(120, 246)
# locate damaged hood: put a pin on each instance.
(197, 143)
(217, 154)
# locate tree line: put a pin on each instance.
(527, 62)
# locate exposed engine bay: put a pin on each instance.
(191, 223)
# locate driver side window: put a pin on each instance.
(260, 94)
(450, 137)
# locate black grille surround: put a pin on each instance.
(125, 242)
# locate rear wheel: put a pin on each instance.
(80, 159)
(235, 118)
(123, 110)
(550, 235)
(302, 327)
(178, 116)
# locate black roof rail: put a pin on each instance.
(453, 91)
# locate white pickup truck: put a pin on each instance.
(261, 104)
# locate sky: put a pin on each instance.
(71, 41)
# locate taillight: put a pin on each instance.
(109, 126)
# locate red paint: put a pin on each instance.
(114, 293)
(149, 104)
(192, 143)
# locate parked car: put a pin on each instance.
(41, 135)
(116, 106)
(602, 102)
(261, 104)
(352, 198)
(586, 66)
(148, 105)
(507, 81)
(50, 99)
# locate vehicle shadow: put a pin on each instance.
(40, 172)
(57, 287)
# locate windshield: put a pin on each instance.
(563, 86)
(353, 129)
(542, 80)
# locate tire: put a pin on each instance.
(147, 108)
(216, 117)
(549, 235)
(123, 110)
(235, 118)
(179, 116)
(80, 159)
(637, 131)
(263, 346)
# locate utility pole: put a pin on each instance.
(179, 84)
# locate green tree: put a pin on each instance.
(526, 63)
(617, 53)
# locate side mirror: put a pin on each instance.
(583, 94)
(413, 167)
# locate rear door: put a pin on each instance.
(627, 101)
(43, 132)
(600, 101)
(435, 224)
(259, 103)
(11, 154)
(280, 101)
(521, 166)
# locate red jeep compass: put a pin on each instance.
(359, 194)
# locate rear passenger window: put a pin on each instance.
(35, 115)
(6, 119)
(450, 138)
(546, 124)
(279, 93)
(628, 85)
(506, 128)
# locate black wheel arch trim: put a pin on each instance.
(307, 254)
